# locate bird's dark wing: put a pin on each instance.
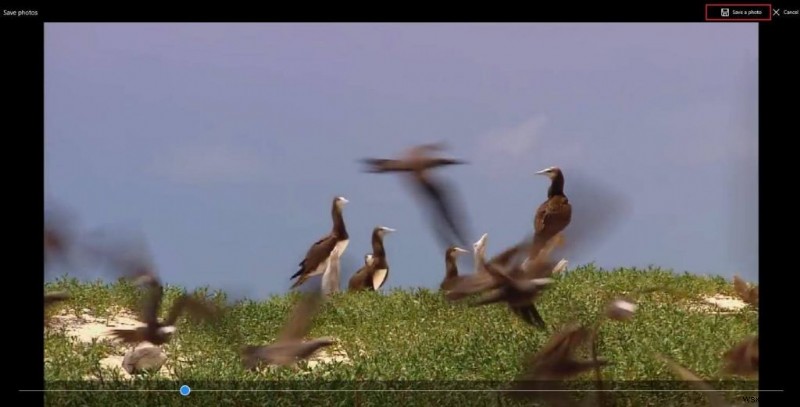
(378, 165)
(152, 303)
(439, 195)
(317, 253)
(299, 322)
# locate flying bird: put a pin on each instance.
(556, 362)
(742, 358)
(417, 163)
(318, 257)
(715, 399)
(519, 294)
(745, 291)
(290, 345)
(451, 276)
(159, 332)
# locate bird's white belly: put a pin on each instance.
(378, 278)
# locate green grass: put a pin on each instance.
(412, 335)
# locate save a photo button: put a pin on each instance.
(738, 12)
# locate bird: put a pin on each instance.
(417, 163)
(510, 262)
(319, 254)
(479, 253)
(376, 268)
(289, 346)
(160, 332)
(715, 399)
(554, 214)
(742, 358)
(360, 279)
(380, 268)
(555, 362)
(519, 294)
(745, 291)
(451, 267)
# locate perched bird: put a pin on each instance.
(380, 268)
(318, 256)
(290, 346)
(451, 267)
(376, 268)
(554, 214)
(361, 280)
(715, 399)
(160, 332)
(742, 359)
(417, 163)
(746, 292)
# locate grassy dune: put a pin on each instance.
(408, 336)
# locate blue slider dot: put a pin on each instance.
(185, 390)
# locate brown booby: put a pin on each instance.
(742, 358)
(554, 214)
(556, 362)
(380, 268)
(360, 280)
(451, 276)
(290, 346)
(376, 269)
(160, 332)
(479, 253)
(417, 163)
(519, 294)
(745, 291)
(318, 255)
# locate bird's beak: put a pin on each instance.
(482, 240)
(344, 200)
(385, 229)
(458, 249)
(543, 172)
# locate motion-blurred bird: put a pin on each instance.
(318, 255)
(715, 399)
(290, 346)
(519, 294)
(742, 358)
(160, 332)
(417, 163)
(745, 291)
(55, 297)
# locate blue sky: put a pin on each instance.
(225, 143)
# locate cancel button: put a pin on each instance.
(790, 12)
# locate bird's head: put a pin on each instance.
(550, 172)
(480, 245)
(340, 202)
(454, 251)
(383, 230)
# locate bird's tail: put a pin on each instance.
(296, 274)
(300, 280)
